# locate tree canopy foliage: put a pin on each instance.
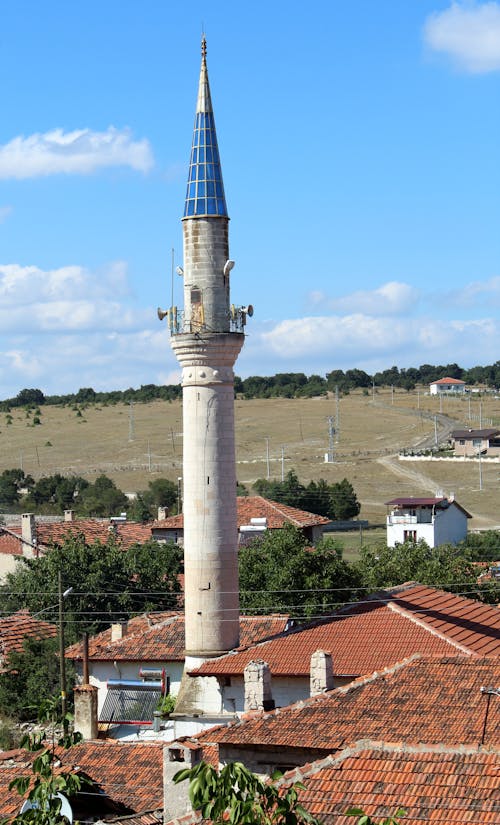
(279, 572)
(285, 385)
(236, 795)
(31, 677)
(109, 583)
(336, 501)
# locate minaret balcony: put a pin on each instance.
(179, 325)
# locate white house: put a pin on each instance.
(435, 520)
(447, 385)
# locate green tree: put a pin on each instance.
(236, 795)
(30, 678)
(279, 572)
(46, 785)
(108, 582)
(102, 498)
(445, 566)
(11, 484)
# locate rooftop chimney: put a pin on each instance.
(162, 513)
(321, 672)
(118, 631)
(258, 692)
(28, 533)
(86, 711)
(68, 515)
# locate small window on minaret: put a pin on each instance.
(196, 295)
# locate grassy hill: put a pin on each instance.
(135, 444)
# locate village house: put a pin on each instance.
(255, 514)
(434, 700)
(358, 639)
(471, 443)
(435, 520)
(444, 385)
(128, 660)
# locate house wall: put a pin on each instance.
(471, 447)
(100, 672)
(435, 389)
(8, 564)
(285, 691)
(265, 761)
(450, 526)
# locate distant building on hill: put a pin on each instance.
(447, 385)
(473, 442)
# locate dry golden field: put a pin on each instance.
(134, 445)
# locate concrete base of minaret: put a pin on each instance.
(199, 702)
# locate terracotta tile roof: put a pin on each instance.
(378, 632)
(440, 503)
(423, 700)
(129, 774)
(470, 434)
(10, 544)
(447, 381)
(160, 637)
(249, 507)
(444, 787)
(127, 532)
(16, 627)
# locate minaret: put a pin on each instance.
(207, 338)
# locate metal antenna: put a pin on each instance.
(331, 434)
(172, 300)
(337, 415)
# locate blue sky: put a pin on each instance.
(359, 147)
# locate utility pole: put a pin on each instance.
(418, 399)
(337, 415)
(373, 389)
(131, 422)
(480, 414)
(331, 432)
(149, 457)
(440, 402)
(480, 470)
(392, 394)
(62, 660)
(268, 472)
(435, 430)
(282, 463)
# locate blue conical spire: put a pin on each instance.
(205, 190)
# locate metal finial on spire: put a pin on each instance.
(203, 46)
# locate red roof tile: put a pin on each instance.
(249, 507)
(376, 633)
(16, 627)
(445, 787)
(129, 774)
(447, 381)
(11, 545)
(431, 701)
(160, 637)
(126, 533)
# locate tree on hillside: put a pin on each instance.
(102, 498)
(11, 484)
(337, 501)
(25, 397)
(445, 566)
(279, 572)
(108, 582)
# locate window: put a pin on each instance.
(409, 535)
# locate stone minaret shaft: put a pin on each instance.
(207, 348)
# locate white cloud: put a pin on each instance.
(5, 212)
(353, 340)
(80, 152)
(479, 292)
(468, 33)
(69, 298)
(392, 298)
